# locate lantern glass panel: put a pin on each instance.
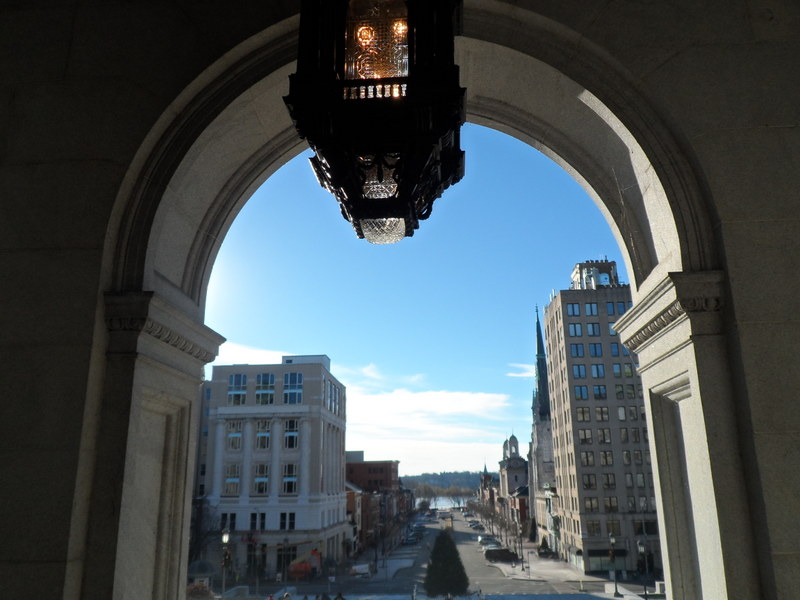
(377, 40)
(383, 231)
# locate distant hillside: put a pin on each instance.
(466, 479)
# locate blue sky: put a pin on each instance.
(433, 336)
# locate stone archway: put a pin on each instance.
(229, 131)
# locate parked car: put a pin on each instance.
(478, 527)
(409, 541)
(483, 540)
(501, 555)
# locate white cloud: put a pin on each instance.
(371, 371)
(527, 371)
(428, 430)
(231, 353)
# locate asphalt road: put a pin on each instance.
(405, 567)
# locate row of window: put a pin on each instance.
(596, 350)
(291, 433)
(606, 457)
(598, 370)
(258, 521)
(604, 435)
(613, 526)
(591, 308)
(592, 329)
(611, 505)
(609, 480)
(260, 479)
(265, 389)
(600, 392)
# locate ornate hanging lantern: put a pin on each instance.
(377, 97)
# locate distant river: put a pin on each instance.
(447, 503)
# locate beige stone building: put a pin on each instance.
(134, 132)
(603, 465)
(271, 464)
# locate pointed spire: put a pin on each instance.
(541, 395)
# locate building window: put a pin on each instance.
(614, 349)
(232, 473)
(265, 388)
(228, 521)
(601, 413)
(628, 480)
(573, 310)
(582, 414)
(599, 392)
(613, 528)
(576, 350)
(593, 329)
(598, 371)
(581, 392)
(334, 402)
(643, 503)
(609, 481)
(623, 435)
(237, 389)
(616, 368)
(290, 479)
(591, 504)
(234, 434)
(637, 457)
(603, 436)
(621, 413)
(609, 308)
(621, 307)
(611, 505)
(579, 371)
(619, 391)
(611, 330)
(262, 434)
(292, 388)
(591, 309)
(585, 436)
(261, 479)
(627, 370)
(635, 434)
(633, 413)
(587, 459)
(626, 457)
(595, 349)
(291, 431)
(589, 481)
(575, 330)
(632, 504)
(287, 521)
(640, 480)
(593, 528)
(606, 458)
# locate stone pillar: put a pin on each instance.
(139, 515)
(676, 328)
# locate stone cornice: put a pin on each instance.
(162, 333)
(696, 296)
(145, 313)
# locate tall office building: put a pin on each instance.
(271, 464)
(603, 474)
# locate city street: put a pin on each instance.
(402, 571)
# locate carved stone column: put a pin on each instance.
(145, 452)
(678, 333)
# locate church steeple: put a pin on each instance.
(541, 394)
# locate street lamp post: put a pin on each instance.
(643, 551)
(285, 558)
(613, 541)
(226, 536)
